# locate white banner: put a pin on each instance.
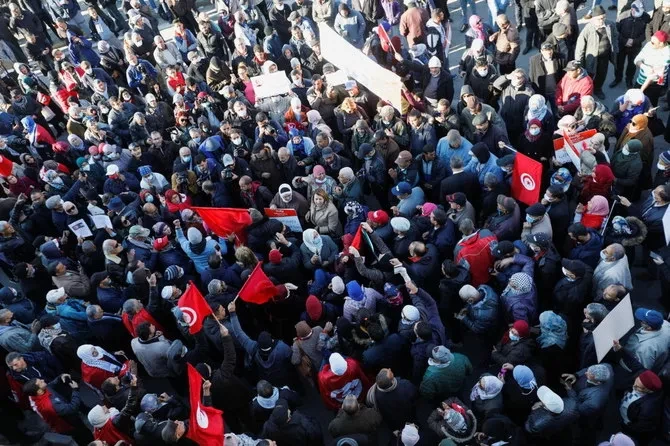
(615, 325)
(273, 84)
(358, 66)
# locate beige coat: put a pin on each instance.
(325, 221)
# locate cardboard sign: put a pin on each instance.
(568, 148)
(615, 326)
(289, 217)
(273, 84)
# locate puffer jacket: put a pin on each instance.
(520, 306)
(544, 424)
(513, 352)
(482, 317)
(637, 236)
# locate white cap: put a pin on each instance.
(166, 292)
(434, 62)
(338, 365)
(552, 402)
(228, 160)
(411, 313)
(54, 295)
(112, 169)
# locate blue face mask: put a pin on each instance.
(196, 140)
(187, 159)
(368, 157)
(150, 199)
(530, 219)
(513, 337)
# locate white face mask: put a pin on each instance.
(660, 166)
(483, 72)
(137, 42)
(547, 197)
(89, 71)
(534, 131)
(242, 113)
(625, 151)
(237, 141)
(56, 326)
(636, 13)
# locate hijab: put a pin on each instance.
(488, 387)
(313, 241)
(524, 377)
(598, 205)
(530, 137)
(562, 178)
(103, 360)
(519, 283)
(537, 107)
(553, 330)
(479, 30)
(621, 226)
(641, 123)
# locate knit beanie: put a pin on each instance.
(194, 236)
(314, 308)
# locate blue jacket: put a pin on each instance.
(59, 219)
(591, 400)
(521, 306)
(110, 299)
(522, 264)
(376, 172)
(429, 313)
(22, 307)
(199, 259)
(171, 255)
(82, 51)
(134, 75)
(41, 365)
(387, 353)
(589, 252)
(73, 317)
(482, 317)
(444, 238)
(108, 326)
(420, 137)
(482, 169)
(445, 152)
(146, 255)
(229, 274)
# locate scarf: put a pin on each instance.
(598, 205)
(104, 360)
(371, 398)
(492, 386)
(47, 335)
(269, 402)
(455, 420)
(524, 377)
(313, 241)
(607, 273)
(530, 137)
(620, 225)
(519, 283)
(553, 330)
(537, 107)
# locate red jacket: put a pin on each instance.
(475, 253)
(569, 91)
(593, 221)
(334, 388)
(96, 376)
(44, 407)
(142, 316)
(110, 434)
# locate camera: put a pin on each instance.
(182, 178)
(227, 174)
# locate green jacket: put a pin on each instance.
(439, 383)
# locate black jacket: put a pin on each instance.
(466, 182)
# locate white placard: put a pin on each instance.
(101, 221)
(273, 84)
(382, 82)
(339, 77)
(80, 229)
(615, 326)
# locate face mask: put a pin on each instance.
(660, 166)
(625, 151)
(534, 131)
(513, 337)
(187, 159)
(530, 219)
(535, 248)
(96, 157)
(483, 72)
(113, 156)
(368, 157)
(588, 325)
(386, 122)
(89, 71)
(237, 141)
(516, 83)
(150, 199)
(86, 168)
(138, 43)
(56, 326)
(548, 198)
(603, 255)
(565, 273)
(635, 13)
(242, 113)
(196, 140)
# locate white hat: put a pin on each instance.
(54, 296)
(411, 313)
(434, 62)
(166, 292)
(337, 284)
(228, 160)
(552, 402)
(112, 169)
(177, 97)
(97, 416)
(338, 364)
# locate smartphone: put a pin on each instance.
(655, 256)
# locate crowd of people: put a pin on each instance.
(418, 276)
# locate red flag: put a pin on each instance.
(6, 166)
(358, 238)
(225, 221)
(258, 289)
(384, 39)
(205, 425)
(526, 179)
(194, 308)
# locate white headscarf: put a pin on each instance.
(492, 387)
(98, 416)
(313, 241)
(85, 353)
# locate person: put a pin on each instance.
(597, 46)
(15, 336)
(572, 87)
(641, 406)
(394, 398)
(507, 44)
(340, 379)
(445, 375)
(613, 268)
(653, 60)
(453, 420)
(550, 420)
(353, 418)
(631, 38)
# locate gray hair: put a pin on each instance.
(92, 310)
(456, 162)
(387, 111)
(619, 251)
(107, 246)
(597, 311)
(601, 372)
(466, 226)
(347, 172)
(132, 306)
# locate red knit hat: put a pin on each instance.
(275, 256)
(160, 243)
(378, 217)
(314, 308)
(662, 36)
(650, 380)
(522, 328)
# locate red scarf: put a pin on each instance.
(109, 433)
(44, 407)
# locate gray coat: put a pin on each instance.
(17, 337)
(587, 45)
(153, 354)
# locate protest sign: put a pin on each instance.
(273, 84)
(382, 82)
(615, 325)
(80, 229)
(101, 221)
(336, 78)
(568, 149)
(289, 217)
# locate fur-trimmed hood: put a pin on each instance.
(639, 233)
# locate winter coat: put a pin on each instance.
(301, 429)
(72, 315)
(329, 253)
(542, 424)
(586, 50)
(200, 259)
(521, 306)
(441, 382)
(475, 254)
(396, 406)
(513, 352)
(482, 316)
(513, 102)
(627, 170)
(591, 399)
(589, 252)
(17, 337)
(153, 354)
(325, 220)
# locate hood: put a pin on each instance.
(28, 123)
(481, 152)
(466, 89)
(50, 250)
(215, 64)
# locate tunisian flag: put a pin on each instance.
(205, 423)
(526, 179)
(194, 307)
(258, 289)
(225, 221)
(6, 166)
